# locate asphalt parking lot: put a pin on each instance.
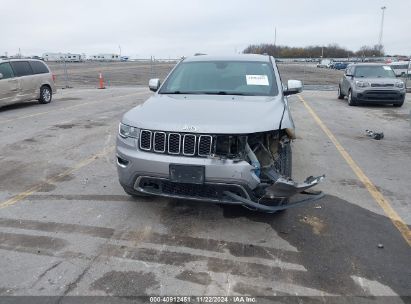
(67, 227)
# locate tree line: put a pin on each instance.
(329, 51)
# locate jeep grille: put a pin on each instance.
(176, 143)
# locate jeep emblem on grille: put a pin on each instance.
(189, 128)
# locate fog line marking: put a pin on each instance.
(372, 189)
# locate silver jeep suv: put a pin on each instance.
(218, 129)
(373, 84)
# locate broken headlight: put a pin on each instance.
(127, 131)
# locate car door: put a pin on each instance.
(27, 82)
(9, 85)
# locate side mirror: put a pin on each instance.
(1, 76)
(293, 87)
(154, 84)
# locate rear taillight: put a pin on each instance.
(54, 77)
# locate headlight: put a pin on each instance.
(362, 84)
(399, 85)
(127, 131)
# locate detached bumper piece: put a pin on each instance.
(238, 200)
(281, 188)
(284, 188)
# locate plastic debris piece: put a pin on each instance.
(375, 135)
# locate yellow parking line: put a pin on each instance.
(372, 189)
(55, 178)
(66, 108)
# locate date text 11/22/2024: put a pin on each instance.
(203, 299)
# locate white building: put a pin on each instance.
(68, 57)
(105, 57)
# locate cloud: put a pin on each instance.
(182, 27)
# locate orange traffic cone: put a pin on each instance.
(101, 78)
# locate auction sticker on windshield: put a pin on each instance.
(257, 80)
(387, 68)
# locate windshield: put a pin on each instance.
(374, 72)
(222, 78)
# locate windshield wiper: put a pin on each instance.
(180, 92)
(206, 93)
(225, 93)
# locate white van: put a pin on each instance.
(24, 80)
(400, 68)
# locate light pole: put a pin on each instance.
(383, 8)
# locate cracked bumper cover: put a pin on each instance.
(284, 188)
(219, 172)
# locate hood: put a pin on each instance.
(212, 114)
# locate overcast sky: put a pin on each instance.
(173, 28)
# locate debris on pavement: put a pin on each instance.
(375, 135)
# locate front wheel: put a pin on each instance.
(339, 94)
(45, 95)
(351, 101)
(397, 105)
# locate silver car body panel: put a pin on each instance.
(218, 114)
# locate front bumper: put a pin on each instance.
(133, 163)
(226, 181)
(378, 96)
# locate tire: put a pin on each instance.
(45, 95)
(340, 95)
(351, 101)
(398, 105)
(134, 193)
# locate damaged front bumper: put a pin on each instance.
(232, 194)
(254, 181)
(282, 188)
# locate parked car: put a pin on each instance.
(218, 129)
(324, 63)
(371, 83)
(25, 80)
(340, 65)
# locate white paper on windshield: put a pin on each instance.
(386, 68)
(257, 80)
